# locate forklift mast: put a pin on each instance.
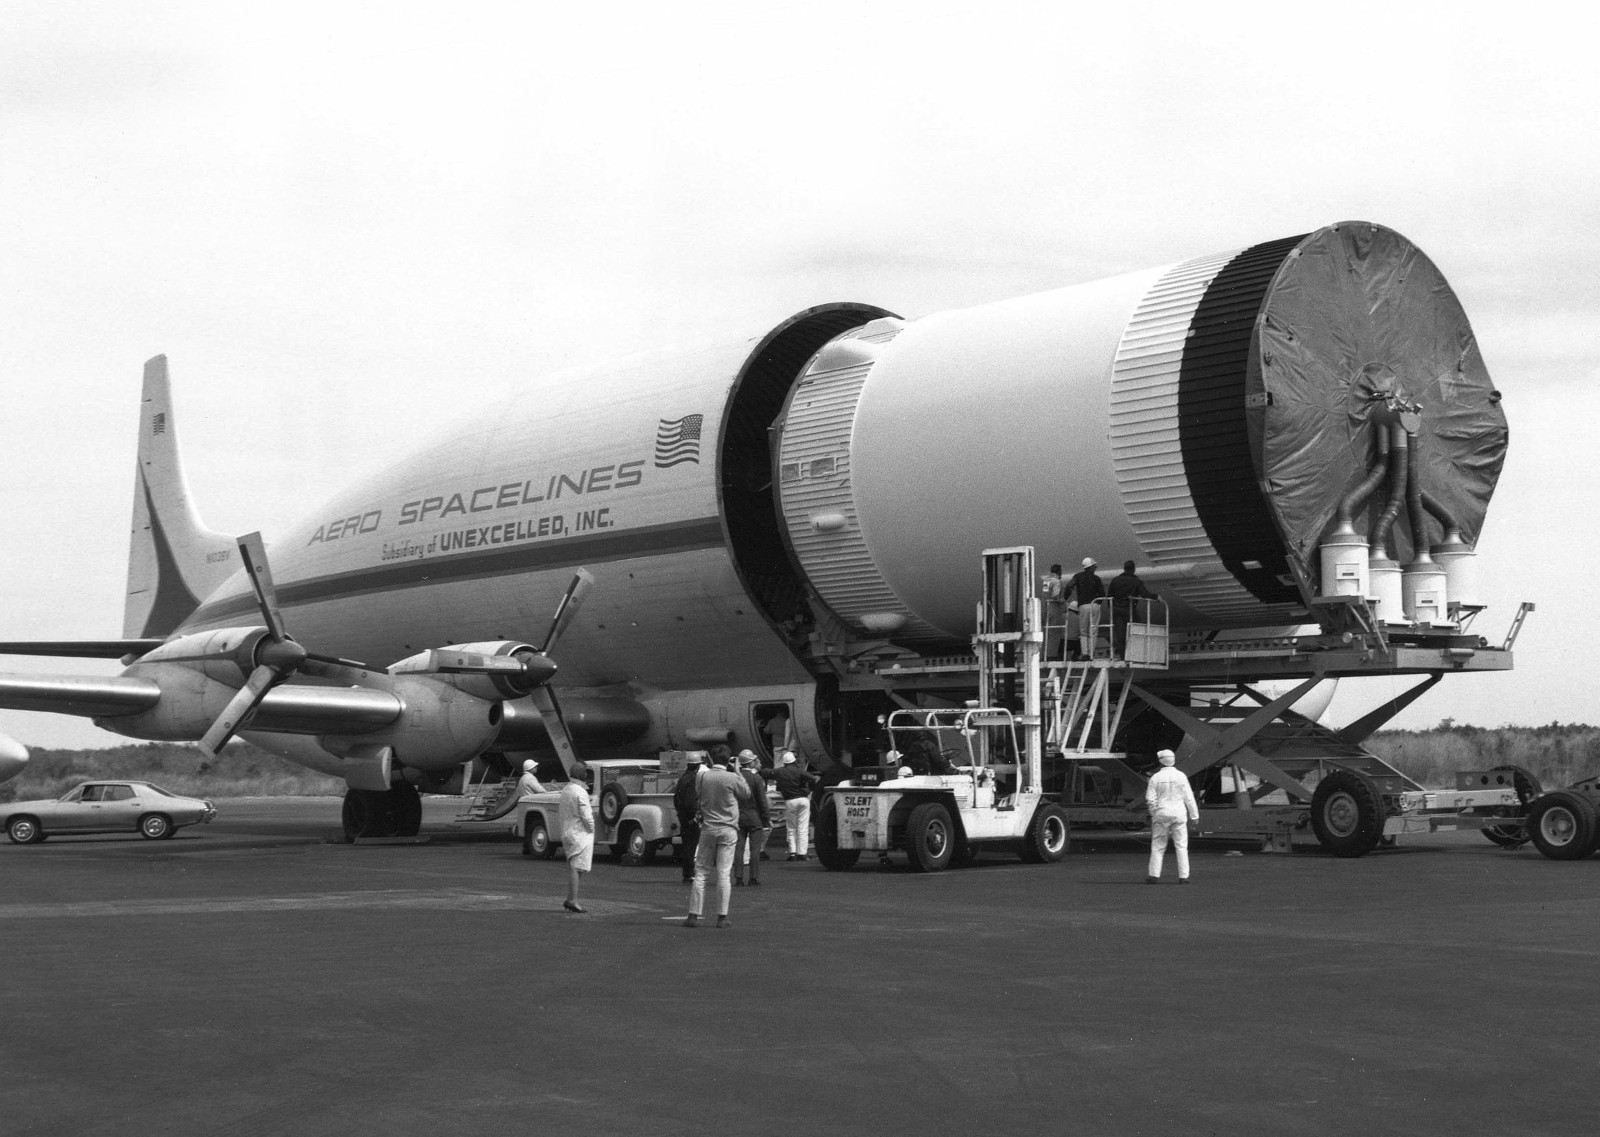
(1008, 645)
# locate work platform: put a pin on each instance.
(1224, 703)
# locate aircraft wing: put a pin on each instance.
(86, 695)
(83, 649)
(289, 709)
(298, 709)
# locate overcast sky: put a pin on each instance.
(343, 222)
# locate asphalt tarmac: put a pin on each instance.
(251, 977)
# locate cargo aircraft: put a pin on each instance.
(773, 542)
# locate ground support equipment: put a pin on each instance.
(1263, 773)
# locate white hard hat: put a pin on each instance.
(1089, 562)
(743, 754)
(529, 765)
(788, 756)
(1167, 757)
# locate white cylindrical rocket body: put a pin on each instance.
(1202, 420)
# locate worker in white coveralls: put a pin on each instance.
(1172, 810)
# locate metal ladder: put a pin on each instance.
(1082, 698)
(483, 797)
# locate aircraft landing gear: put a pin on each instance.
(371, 813)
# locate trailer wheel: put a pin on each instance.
(1047, 837)
(1563, 826)
(833, 858)
(930, 837)
(1527, 786)
(1347, 814)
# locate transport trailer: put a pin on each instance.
(1262, 771)
(1563, 824)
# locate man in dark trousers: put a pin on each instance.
(1124, 590)
(755, 822)
(1081, 593)
(686, 803)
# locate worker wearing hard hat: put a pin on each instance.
(1080, 594)
(794, 786)
(529, 783)
(1172, 810)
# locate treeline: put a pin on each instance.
(242, 771)
(1558, 754)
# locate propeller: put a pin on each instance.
(571, 600)
(277, 655)
(542, 697)
(531, 673)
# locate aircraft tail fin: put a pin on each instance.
(174, 561)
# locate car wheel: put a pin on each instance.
(1347, 813)
(930, 837)
(24, 831)
(630, 849)
(155, 826)
(1563, 826)
(535, 838)
(1047, 836)
(613, 800)
(829, 854)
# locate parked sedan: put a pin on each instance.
(104, 807)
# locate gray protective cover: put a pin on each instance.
(1354, 311)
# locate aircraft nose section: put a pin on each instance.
(13, 757)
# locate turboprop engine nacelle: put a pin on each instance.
(226, 655)
(493, 669)
(438, 726)
(196, 676)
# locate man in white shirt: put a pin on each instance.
(1172, 810)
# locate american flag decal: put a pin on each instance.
(678, 440)
(158, 424)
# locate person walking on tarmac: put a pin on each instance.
(1080, 594)
(575, 818)
(721, 792)
(686, 804)
(1172, 810)
(1125, 589)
